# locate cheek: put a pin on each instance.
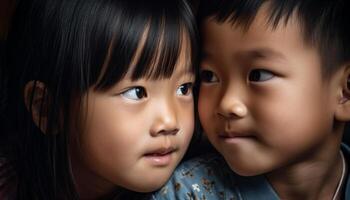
(185, 116)
(293, 118)
(202, 108)
(106, 135)
(110, 131)
(206, 109)
(206, 104)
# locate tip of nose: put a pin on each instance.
(234, 110)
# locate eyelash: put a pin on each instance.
(256, 75)
(260, 75)
(207, 76)
(188, 89)
(138, 92)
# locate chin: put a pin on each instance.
(149, 186)
(246, 171)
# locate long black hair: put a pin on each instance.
(74, 45)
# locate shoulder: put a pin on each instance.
(200, 164)
(203, 177)
(8, 180)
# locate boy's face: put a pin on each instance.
(263, 102)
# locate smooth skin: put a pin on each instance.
(131, 136)
(266, 106)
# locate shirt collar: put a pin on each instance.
(255, 187)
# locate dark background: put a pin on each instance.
(6, 11)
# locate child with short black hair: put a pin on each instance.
(274, 99)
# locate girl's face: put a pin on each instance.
(136, 132)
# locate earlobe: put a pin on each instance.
(343, 107)
(35, 99)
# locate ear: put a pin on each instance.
(35, 99)
(343, 107)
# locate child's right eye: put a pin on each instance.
(185, 89)
(207, 76)
(260, 75)
(135, 93)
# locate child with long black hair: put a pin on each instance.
(101, 92)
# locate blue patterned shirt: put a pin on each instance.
(208, 177)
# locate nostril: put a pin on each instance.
(168, 132)
(174, 132)
(230, 115)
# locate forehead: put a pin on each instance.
(260, 39)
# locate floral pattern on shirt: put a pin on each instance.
(199, 179)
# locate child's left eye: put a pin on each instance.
(135, 93)
(185, 89)
(259, 75)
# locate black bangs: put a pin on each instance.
(146, 39)
(242, 12)
(324, 23)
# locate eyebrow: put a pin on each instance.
(262, 53)
(255, 53)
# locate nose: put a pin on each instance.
(232, 106)
(165, 119)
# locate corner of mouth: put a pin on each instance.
(234, 135)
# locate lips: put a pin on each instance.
(233, 135)
(160, 157)
(161, 151)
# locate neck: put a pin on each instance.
(313, 177)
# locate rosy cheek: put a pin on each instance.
(204, 105)
(188, 124)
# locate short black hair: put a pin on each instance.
(325, 23)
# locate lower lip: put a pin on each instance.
(235, 139)
(159, 160)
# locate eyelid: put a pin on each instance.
(265, 75)
(190, 88)
(134, 96)
(214, 77)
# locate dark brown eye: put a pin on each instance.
(135, 93)
(259, 75)
(207, 76)
(185, 89)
